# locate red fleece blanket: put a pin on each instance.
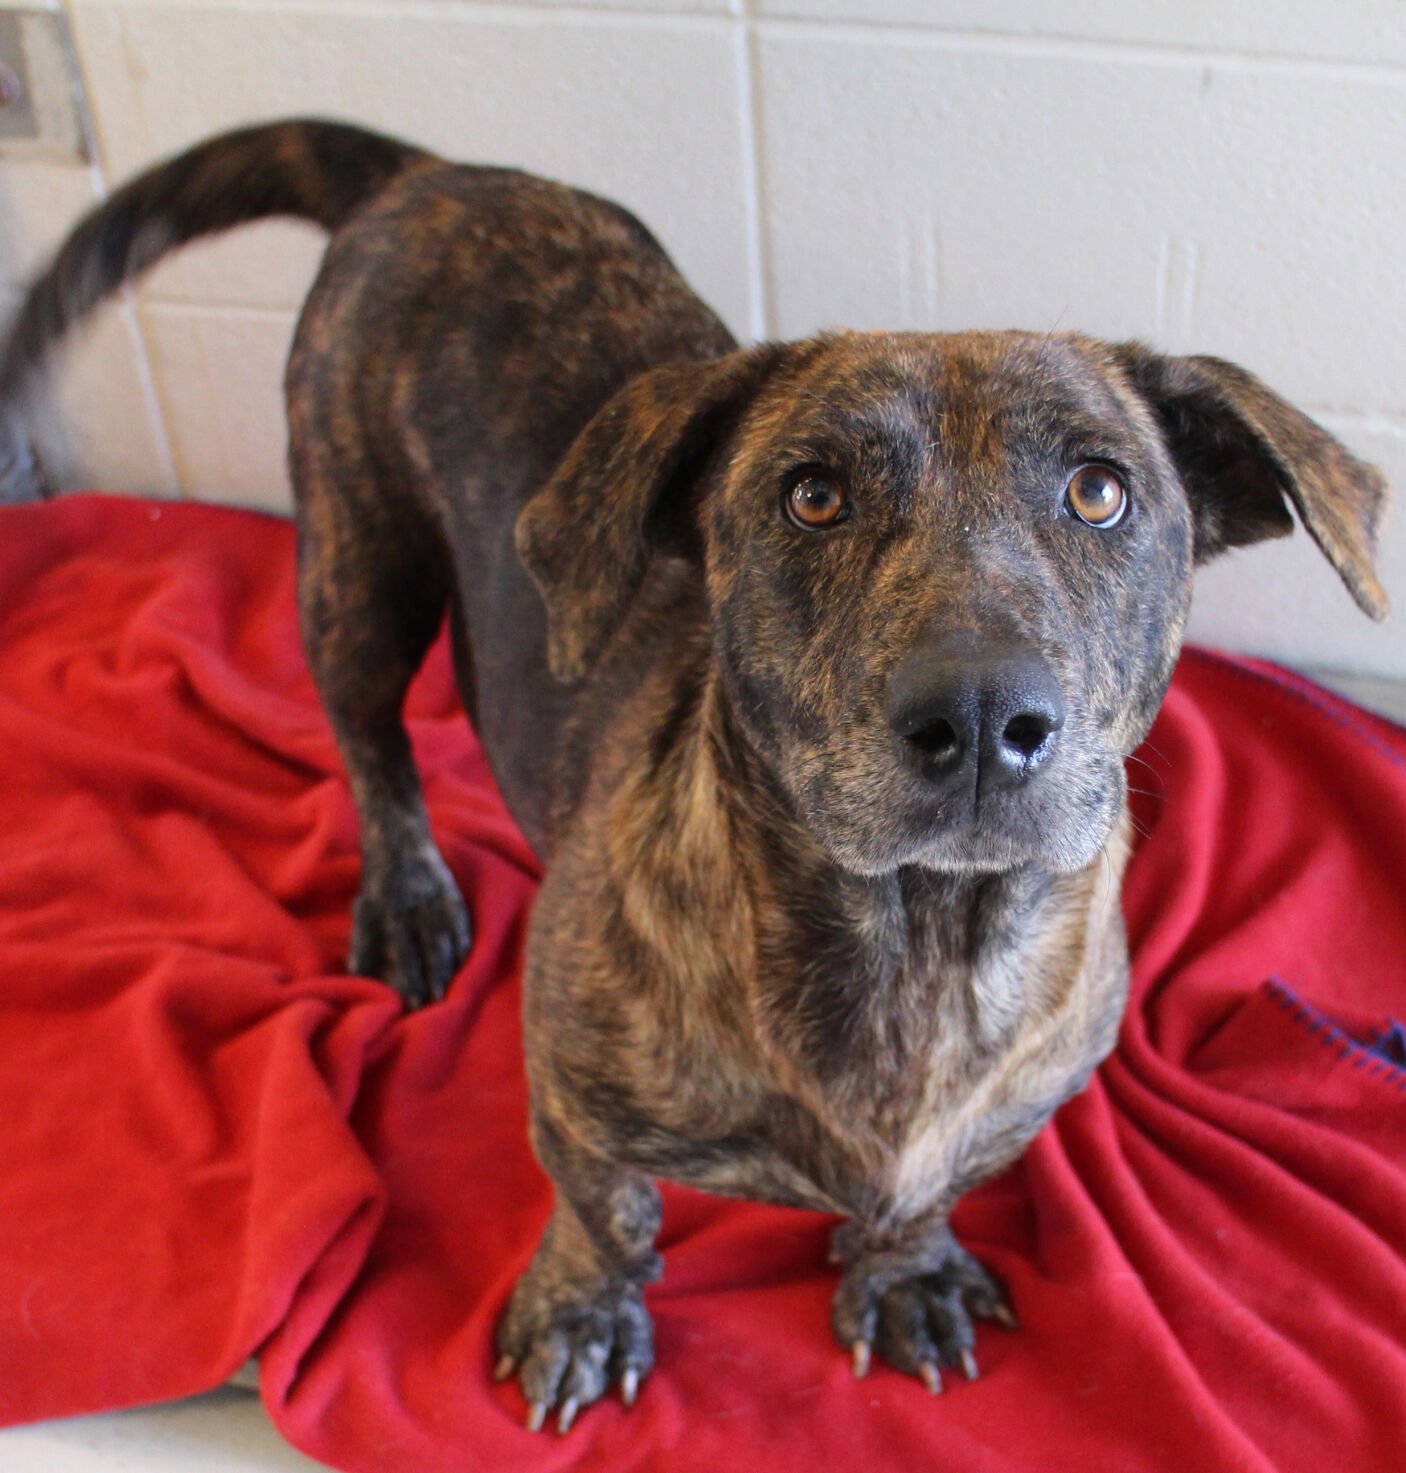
(215, 1142)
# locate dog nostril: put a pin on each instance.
(1025, 734)
(937, 741)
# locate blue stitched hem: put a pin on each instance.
(1321, 1027)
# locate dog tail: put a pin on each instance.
(315, 170)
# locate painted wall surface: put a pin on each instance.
(1218, 177)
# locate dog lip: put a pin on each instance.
(943, 827)
(989, 851)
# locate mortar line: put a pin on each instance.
(759, 264)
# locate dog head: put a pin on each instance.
(947, 576)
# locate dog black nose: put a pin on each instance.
(961, 708)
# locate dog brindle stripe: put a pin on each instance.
(815, 702)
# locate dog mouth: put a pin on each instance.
(1060, 820)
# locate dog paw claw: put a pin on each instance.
(917, 1318)
(567, 1352)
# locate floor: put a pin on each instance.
(224, 1432)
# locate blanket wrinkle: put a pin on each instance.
(218, 1143)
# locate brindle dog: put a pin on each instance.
(808, 669)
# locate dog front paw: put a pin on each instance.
(567, 1350)
(410, 928)
(918, 1317)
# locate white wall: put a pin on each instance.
(1226, 177)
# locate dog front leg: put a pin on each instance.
(370, 610)
(912, 1292)
(576, 1321)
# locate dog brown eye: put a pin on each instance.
(816, 502)
(1096, 496)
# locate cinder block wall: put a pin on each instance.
(1208, 176)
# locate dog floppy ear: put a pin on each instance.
(622, 492)
(1241, 449)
